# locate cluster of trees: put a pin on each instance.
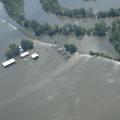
(100, 29)
(115, 34)
(76, 13)
(40, 29)
(53, 6)
(111, 13)
(71, 48)
(26, 44)
(14, 50)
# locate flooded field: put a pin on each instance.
(53, 88)
(82, 88)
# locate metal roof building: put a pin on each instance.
(24, 54)
(8, 62)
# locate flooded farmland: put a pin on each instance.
(53, 88)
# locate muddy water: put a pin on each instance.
(52, 88)
(95, 4)
(34, 11)
(83, 88)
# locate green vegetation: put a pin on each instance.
(100, 29)
(115, 34)
(100, 54)
(26, 45)
(103, 55)
(40, 29)
(13, 51)
(70, 48)
(111, 13)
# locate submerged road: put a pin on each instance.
(15, 26)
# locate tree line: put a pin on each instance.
(98, 54)
(111, 13)
(114, 34)
(99, 29)
(53, 6)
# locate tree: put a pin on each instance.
(13, 51)
(9, 54)
(100, 29)
(70, 48)
(34, 25)
(26, 44)
(26, 24)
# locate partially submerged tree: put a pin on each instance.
(27, 44)
(70, 48)
(100, 29)
(13, 51)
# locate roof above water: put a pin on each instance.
(9, 62)
(34, 55)
(24, 54)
